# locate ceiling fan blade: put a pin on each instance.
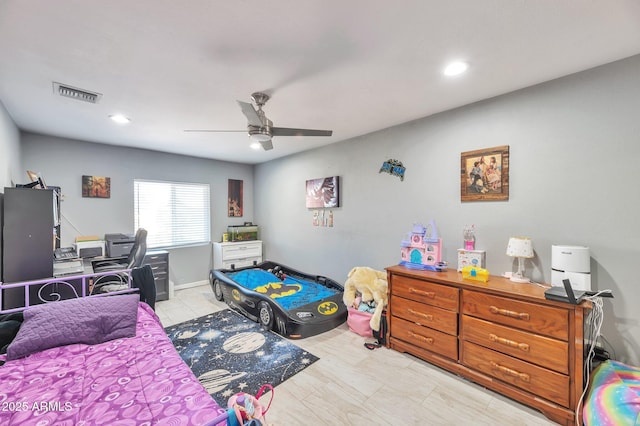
(266, 145)
(250, 112)
(284, 131)
(213, 131)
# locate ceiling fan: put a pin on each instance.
(260, 128)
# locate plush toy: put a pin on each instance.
(371, 285)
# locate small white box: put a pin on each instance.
(470, 258)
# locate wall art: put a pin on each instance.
(96, 186)
(393, 167)
(323, 193)
(235, 198)
(484, 174)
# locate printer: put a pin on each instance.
(118, 245)
(89, 248)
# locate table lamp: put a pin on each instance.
(520, 247)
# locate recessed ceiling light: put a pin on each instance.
(256, 145)
(120, 119)
(456, 68)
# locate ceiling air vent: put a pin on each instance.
(75, 93)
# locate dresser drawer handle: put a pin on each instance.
(522, 376)
(518, 315)
(429, 340)
(522, 346)
(429, 294)
(420, 314)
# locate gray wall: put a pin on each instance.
(62, 162)
(575, 157)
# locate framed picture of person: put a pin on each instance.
(484, 174)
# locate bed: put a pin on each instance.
(291, 303)
(98, 360)
(614, 396)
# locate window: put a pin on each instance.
(173, 213)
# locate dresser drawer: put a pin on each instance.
(426, 292)
(423, 314)
(545, 383)
(156, 259)
(541, 350)
(240, 263)
(425, 338)
(159, 272)
(240, 251)
(547, 320)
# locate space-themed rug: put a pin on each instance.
(229, 353)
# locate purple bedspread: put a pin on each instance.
(131, 381)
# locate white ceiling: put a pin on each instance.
(352, 66)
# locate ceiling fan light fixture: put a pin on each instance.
(259, 135)
(260, 128)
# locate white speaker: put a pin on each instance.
(573, 263)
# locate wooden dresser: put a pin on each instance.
(503, 335)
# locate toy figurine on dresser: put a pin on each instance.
(422, 248)
(469, 256)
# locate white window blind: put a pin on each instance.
(173, 213)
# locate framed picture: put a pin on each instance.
(96, 186)
(235, 198)
(323, 193)
(484, 174)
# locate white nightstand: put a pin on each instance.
(236, 254)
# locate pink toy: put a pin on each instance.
(422, 245)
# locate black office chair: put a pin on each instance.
(144, 281)
(115, 282)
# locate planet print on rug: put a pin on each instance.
(230, 353)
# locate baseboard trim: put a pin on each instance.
(190, 285)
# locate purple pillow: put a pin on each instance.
(89, 320)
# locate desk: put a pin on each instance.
(93, 261)
(157, 259)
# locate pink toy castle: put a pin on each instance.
(422, 246)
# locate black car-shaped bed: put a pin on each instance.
(289, 302)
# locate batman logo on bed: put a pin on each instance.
(278, 289)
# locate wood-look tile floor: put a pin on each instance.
(351, 385)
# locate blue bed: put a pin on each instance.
(291, 303)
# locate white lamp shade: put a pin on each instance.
(520, 247)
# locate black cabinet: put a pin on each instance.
(30, 217)
(159, 262)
